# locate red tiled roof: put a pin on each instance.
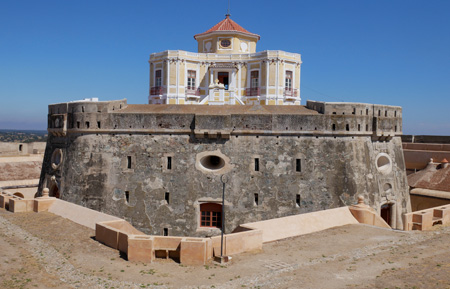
(433, 177)
(227, 25)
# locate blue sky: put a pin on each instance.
(378, 51)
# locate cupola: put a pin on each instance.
(227, 37)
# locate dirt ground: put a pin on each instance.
(25, 170)
(46, 251)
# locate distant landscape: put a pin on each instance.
(24, 136)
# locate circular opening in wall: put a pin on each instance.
(384, 163)
(212, 162)
(56, 158)
(387, 188)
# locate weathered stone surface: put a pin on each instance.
(121, 168)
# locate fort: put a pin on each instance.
(224, 141)
(159, 165)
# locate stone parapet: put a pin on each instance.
(426, 219)
(318, 118)
(367, 215)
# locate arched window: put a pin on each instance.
(211, 215)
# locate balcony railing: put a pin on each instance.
(254, 91)
(157, 90)
(192, 91)
(290, 92)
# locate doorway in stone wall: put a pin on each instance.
(386, 213)
(54, 191)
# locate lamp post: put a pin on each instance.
(224, 179)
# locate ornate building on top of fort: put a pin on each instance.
(225, 70)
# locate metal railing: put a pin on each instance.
(157, 90)
(254, 91)
(192, 91)
(290, 92)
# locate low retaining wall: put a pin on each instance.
(78, 214)
(364, 214)
(139, 247)
(239, 242)
(15, 203)
(426, 219)
(282, 228)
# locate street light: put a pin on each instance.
(224, 179)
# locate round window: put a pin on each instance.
(225, 43)
(384, 163)
(212, 162)
(387, 188)
(56, 158)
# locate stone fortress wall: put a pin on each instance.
(20, 167)
(335, 118)
(155, 165)
(19, 149)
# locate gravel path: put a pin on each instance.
(58, 265)
(46, 251)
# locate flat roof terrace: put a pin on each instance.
(216, 110)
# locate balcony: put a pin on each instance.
(192, 92)
(290, 93)
(254, 91)
(157, 90)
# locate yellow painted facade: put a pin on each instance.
(225, 70)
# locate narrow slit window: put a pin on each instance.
(167, 197)
(334, 127)
(395, 113)
(169, 163)
(128, 162)
(87, 124)
(359, 127)
(166, 232)
(385, 113)
(367, 127)
(347, 127)
(298, 165)
(367, 111)
(256, 164)
(78, 124)
(297, 200)
(256, 199)
(127, 196)
(99, 125)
